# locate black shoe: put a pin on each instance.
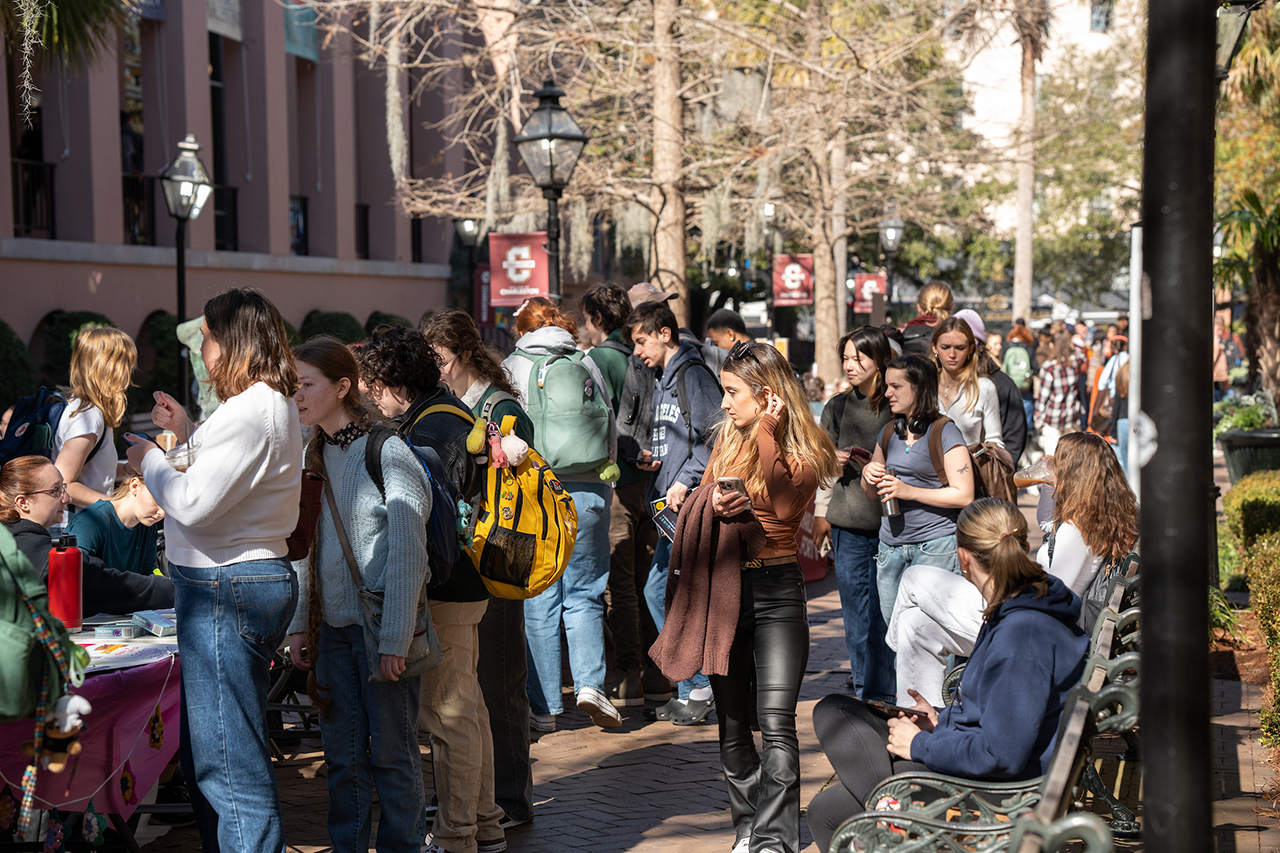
(694, 712)
(173, 793)
(662, 712)
(507, 821)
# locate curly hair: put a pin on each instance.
(1094, 495)
(609, 302)
(399, 358)
(456, 330)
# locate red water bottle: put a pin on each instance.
(66, 568)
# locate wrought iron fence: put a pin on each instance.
(139, 193)
(33, 200)
(298, 243)
(362, 231)
(226, 224)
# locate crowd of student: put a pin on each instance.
(722, 432)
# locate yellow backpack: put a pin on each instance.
(525, 527)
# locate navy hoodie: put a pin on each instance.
(1026, 658)
(683, 460)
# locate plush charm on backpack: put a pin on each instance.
(526, 524)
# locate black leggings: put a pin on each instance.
(771, 644)
(855, 740)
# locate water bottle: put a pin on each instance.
(66, 570)
(889, 506)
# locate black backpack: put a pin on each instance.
(33, 425)
(917, 339)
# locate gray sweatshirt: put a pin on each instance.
(850, 508)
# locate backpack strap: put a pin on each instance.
(616, 345)
(935, 448)
(885, 435)
(486, 412)
(446, 407)
(682, 393)
(373, 456)
(839, 402)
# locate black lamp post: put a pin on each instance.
(186, 188)
(469, 235)
(890, 242)
(550, 144)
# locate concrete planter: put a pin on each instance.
(1247, 452)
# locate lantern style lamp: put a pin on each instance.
(890, 242)
(186, 187)
(550, 144)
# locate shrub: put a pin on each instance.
(59, 335)
(382, 318)
(161, 352)
(1262, 563)
(1252, 507)
(339, 324)
(17, 370)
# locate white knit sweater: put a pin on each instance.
(389, 541)
(239, 499)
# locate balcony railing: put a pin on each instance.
(362, 231)
(415, 240)
(226, 229)
(298, 243)
(33, 196)
(139, 193)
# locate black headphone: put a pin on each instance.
(919, 426)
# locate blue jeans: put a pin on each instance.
(233, 619)
(1122, 443)
(893, 560)
(369, 739)
(871, 661)
(1029, 406)
(655, 595)
(578, 598)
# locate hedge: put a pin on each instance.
(1252, 507)
(17, 370)
(59, 336)
(1262, 564)
(382, 318)
(339, 324)
(161, 332)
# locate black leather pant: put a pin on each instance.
(769, 654)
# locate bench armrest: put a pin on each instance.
(932, 795)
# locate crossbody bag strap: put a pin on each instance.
(342, 531)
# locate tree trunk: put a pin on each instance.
(669, 259)
(829, 171)
(1264, 302)
(839, 222)
(824, 304)
(1026, 184)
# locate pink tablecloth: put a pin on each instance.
(124, 750)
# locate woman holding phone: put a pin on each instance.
(770, 442)
(227, 517)
(854, 421)
(903, 470)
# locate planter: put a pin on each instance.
(1247, 452)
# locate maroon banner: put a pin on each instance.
(484, 311)
(866, 286)
(518, 266)
(792, 280)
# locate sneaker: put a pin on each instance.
(662, 712)
(492, 845)
(655, 685)
(595, 705)
(692, 712)
(507, 821)
(542, 722)
(742, 845)
(430, 846)
(627, 693)
(429, 813)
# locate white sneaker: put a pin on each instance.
(742, 845)
(597, 706)
(542, 722)
(431, 847)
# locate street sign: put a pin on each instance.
(866, 286)
(792, 280)
(518, 266)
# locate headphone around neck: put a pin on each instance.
(902, 424)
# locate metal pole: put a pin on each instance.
(1177, 215)
(553, 241)
(181, 244)
(1135, 359)
(893, 291)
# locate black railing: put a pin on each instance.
(298, 244)
(415, 240)
(362, 231)
(33, 209)
(139, 193)
(226, 224)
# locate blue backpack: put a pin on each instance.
(33, 425)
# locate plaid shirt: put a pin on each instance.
(1058, 400)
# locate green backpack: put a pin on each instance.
(571, 415)
(1017, 364)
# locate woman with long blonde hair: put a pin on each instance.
(102, 363)
(964, 394)
(769, 439)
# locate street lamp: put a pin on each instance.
(890, 242)
(1233, 16)
(186, 187)
(468, 231)
(550, 144)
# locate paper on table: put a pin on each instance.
(113, 654)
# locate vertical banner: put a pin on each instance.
(792, 280)
(518, 267)
(484, 311)
(866, 286)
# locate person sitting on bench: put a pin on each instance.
(1028, 655)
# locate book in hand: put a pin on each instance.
(158, 622)
(664, 518)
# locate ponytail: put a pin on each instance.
(995, 532)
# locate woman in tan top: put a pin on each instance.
(770, 441)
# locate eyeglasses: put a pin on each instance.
(445, 364)
(58, 491)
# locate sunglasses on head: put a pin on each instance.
(742, 349)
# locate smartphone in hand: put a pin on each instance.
(134, 437)
(732, 484)
(890, 712)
